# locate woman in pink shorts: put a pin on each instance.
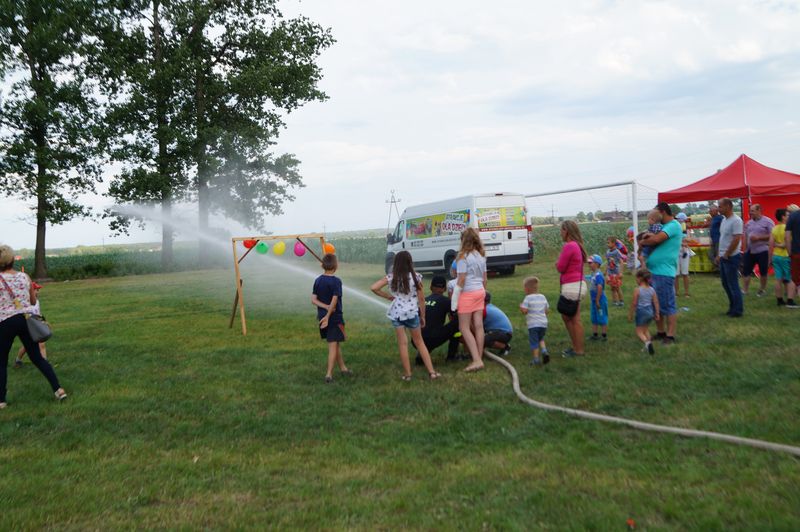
(469, 294)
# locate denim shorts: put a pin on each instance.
(411, 323)
(665, 290)
(536, 335)
(643, 316)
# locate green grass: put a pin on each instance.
(176, 421)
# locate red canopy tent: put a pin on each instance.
(744, 178)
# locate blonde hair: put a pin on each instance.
(574, 235)
(531, 284)
(6, 257)
(470, 241)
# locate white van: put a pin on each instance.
(432, 232)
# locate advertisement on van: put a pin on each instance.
(501, 218)
(445, 224)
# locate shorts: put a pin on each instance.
(643, 316)
(750, 261)
(469, 302)
(334, 332)
(683, 264)
(600, 316)
(493, 335)
(536, 335)
(614, 280)
(795, 259)
(665, 291)
(411, 323)
(782, 268)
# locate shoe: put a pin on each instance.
(3, 405)
(545, 358)
(17, 364)
(668, 340)
(744, 293)
(650, 348)
(732, 315)
(347, 372)
(328, 380)
(406, 378)
(781, 302)
(60, 394)
(661, 336)
(594, 338)
(505, 352)
(536, 362)
(791, 304)
(604, 338)
(761, 293)
(434, 375)
(569, 353)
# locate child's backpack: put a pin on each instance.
(622, 247)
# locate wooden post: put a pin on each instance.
(235, 307)
(239, 291)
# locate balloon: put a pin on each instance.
(262, 247)
(279, 248)
(249, 243)
(329, 249)
(299, 249)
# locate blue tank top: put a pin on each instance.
(646, 296)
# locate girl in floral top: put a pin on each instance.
(16, 299)
(407, 310)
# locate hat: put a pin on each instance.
(596, 259)
(793, 207)
(681, 216)
(438, 282)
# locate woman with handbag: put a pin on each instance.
(17, 299)
(570, 266)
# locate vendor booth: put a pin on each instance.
(744, 178)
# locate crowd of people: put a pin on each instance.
(460, 312)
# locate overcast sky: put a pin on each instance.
(445, 98)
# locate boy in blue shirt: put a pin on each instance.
(327, 297)
(497, 328)
(597, 297)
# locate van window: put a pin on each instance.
(502, 217)
(399, 231)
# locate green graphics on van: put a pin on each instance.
(501, 217)
(445, 224)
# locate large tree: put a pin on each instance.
(48, 118)
(247, 66)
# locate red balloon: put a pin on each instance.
(249, 243)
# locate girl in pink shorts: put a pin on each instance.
(469, 294)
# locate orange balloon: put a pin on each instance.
(329, 249)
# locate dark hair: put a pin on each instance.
(643, 274)
(487, 298)
(330, 262)
(402, 268)
(726, 201)
(664, 207)
(438, 281)
(780, 213)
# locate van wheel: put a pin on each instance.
(389, 263)
(449, 257)
(507, 270)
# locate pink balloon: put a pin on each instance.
(299, 249)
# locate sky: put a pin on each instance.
(441, 99)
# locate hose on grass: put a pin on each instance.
(640, 425)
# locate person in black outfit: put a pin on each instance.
(437, 311)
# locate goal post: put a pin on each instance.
(238, 300)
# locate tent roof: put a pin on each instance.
(743, 178)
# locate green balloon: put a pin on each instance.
(262, 248)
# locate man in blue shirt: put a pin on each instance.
(663, 263)
(713, 230)
(497, 328)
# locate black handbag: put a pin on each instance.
(569, 307)
(38, 328)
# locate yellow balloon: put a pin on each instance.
(279, 248)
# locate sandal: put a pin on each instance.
(347, 372)
(406, 378)
(3, 405)
(434, 375)
(60, 394)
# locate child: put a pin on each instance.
(327, 297)
(615, 258)
(654, 222)
(684, 257)
(535, 308)
(598, 298)
(35, 310)
(645, 305)
(407, 310)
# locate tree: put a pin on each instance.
(246, 65)
(590, 216)
(581, 216)
(48, 121)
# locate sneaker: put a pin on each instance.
(328, 380)
(781, 302)
(650, 348)
(791, 304)
(761, 293)
(545, 358)
(17, 364)
(594, 338)
(668, 340)
(604, 338)
(536, 361)
(505, 352)
(568, 353)
(661, 336)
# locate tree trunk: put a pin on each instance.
(162, 158)
(203, 170)
(166, 233)
(40, 258)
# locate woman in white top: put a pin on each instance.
(17, 298)
(407, 310)
(469, 293)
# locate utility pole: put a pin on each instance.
(552, 214)
(393, 201)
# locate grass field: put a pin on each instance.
(176, 421)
